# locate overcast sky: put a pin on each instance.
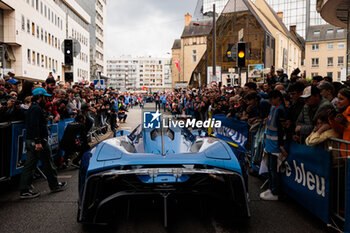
(145, 27)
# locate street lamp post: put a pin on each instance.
(214, 46)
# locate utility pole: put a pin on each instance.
(214, 45)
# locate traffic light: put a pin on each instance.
(241, 55)
(231, 52)
(68, 52)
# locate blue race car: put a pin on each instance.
(167, 163)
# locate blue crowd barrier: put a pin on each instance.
(18, 135)
(306, 178)
(318, 178)
(5, 150)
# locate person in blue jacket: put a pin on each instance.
(274, 144)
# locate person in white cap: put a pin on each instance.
(314, 104)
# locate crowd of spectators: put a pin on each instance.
(278, 109)
(317, 109)
(101, 106)
(307, 104)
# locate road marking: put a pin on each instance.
(64, 177)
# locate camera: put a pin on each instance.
(3, 103)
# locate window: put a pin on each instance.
(330, 74)
(49, 12)
(37, 5)
(53, 40)
(28, 25)
(329, 31)
(49, 38)
(42, 60)
(194, 56)
(42, 34)
(330, 46)
(340, 30)
(28, 55)
(330, 61)
(341, 45)
(45, 36)
(33, 28)
(37, 31)
(317, 32)
(56, 43)
(32, 3)
(33, 58)
(340, 61)
(45, 10)
(38, 59)
(314, 74)
(46, 62)
(41, 7)
(59, 44)
(49, 63)
(23, 23)
(315, 47)
(314, 62)
(338, 76)
(56, 66)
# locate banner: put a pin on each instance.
(256, 73)
(18, 151)
(176, 61)
(306, 178)
(232, 131)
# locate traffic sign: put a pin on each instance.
(99, 83)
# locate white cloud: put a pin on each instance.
(145, 27)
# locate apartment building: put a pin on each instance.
(135, 73)
(325, 51)
(32, 35)
(122, 73)
(97, 29)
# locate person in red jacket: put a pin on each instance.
(341, 121)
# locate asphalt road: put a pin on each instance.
(51, 213)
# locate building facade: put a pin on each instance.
(32, 34)
(337, 13)
(97, 28)
(175, 58)
(267, 40)
(204, 8)
(219, 5)
(135, 73)
(299, 13)
(326, 52)
(193, 47)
